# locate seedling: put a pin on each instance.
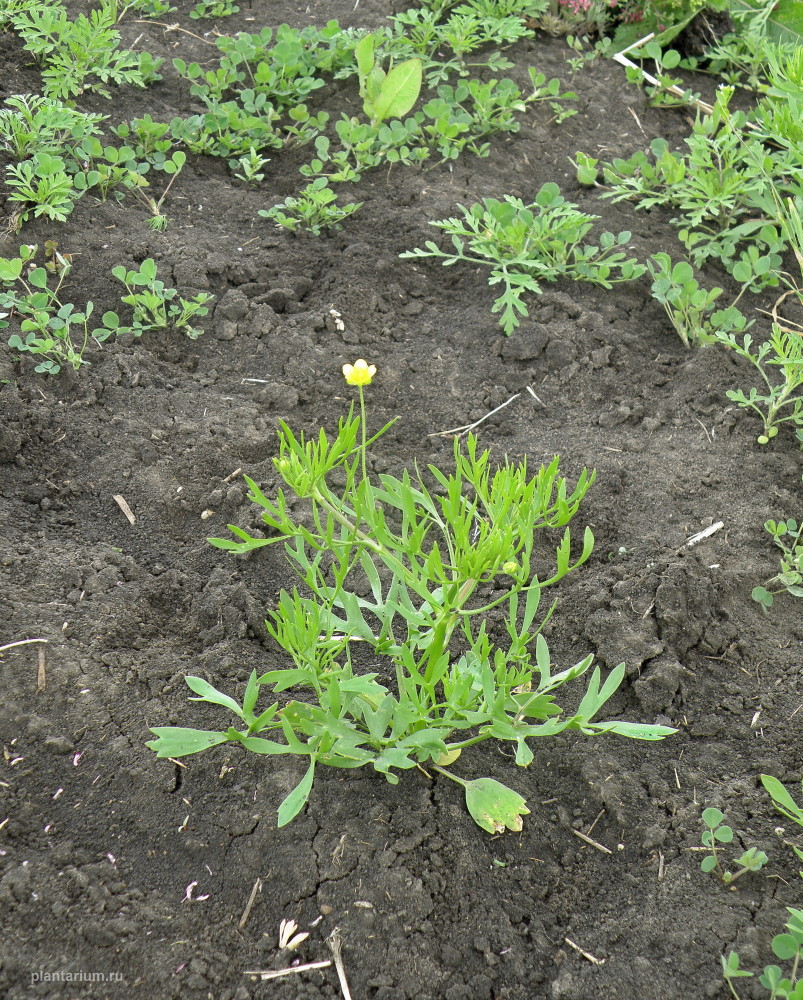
(155, 307)
(717, 834)
(81, 55)
(725, 188)
(43, 187)
(314, 209)
(214, 8)
(172, 167)
(444, 45)
(689, 307)
(46, 323)
(250, 167)
(788, 536)
(788, 947)
(663, 89)
(30, 124)
(526, 245)
(435, 563)
(775, 403)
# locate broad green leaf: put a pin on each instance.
(173, 741)
(399, 91)
(364, 54)
(393, 757)
(293, 803)
(785, 946)
(493, 806)
(782, 799)
(524, 755)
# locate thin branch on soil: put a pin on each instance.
(705, 429)
(774, 313)
(20, 642)
(275, 974)
(175, 27)
(593, 843)
(251, 899)
(586, 954)
(335, 943)
(673, 89)
(231, 476)
(120, 501)
(41, 674)
(599, 816)
(536, 398)
(705, 533)
(470, 427)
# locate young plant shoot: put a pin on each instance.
(432, 554)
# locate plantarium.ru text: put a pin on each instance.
(435, 555)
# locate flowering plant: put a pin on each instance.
(406, 569)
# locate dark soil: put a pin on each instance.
(101, 840)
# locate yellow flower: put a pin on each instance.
(360, 373)
(511, 567)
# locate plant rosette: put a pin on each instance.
(408, 568)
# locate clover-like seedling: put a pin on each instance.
(788, 947)
(719, 833)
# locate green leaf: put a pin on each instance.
(250, 697)
(206, 692)
(493, 806)
(708, 864)
(634, 730)
(784, 24)
(364, 54)
(256, 744)
(782, 799)
(712, 817)
(762, 596)
(399, 91)
(173, 741)
(785, 946)
(524, 755)
(293, 803)
(730, 967)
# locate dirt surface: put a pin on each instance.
(101, 840)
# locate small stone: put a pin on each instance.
(59, 744)
(226, 330)
(277, 298)
(527, 343)
(233, 306)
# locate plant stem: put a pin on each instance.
(362, 428)
(443, 629)
(440, 770)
